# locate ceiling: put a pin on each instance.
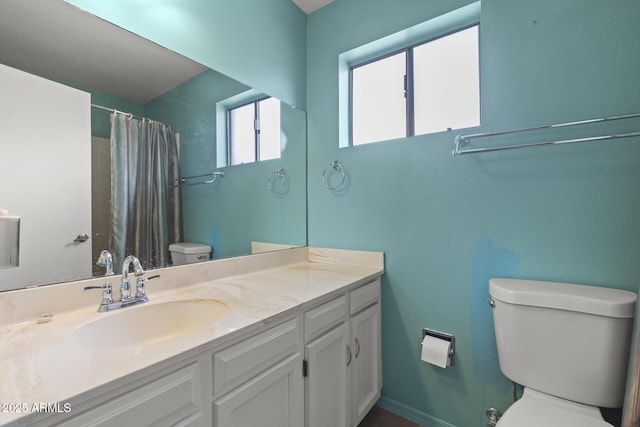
(59, 41)
(54, 39)
(309, 6)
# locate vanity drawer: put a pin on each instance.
(323, 318)
(364, 296)
(169, 400)
(240, 362)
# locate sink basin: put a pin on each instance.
(146, 324)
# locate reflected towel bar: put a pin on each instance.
(464, 140)
(182, 182)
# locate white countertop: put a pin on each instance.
(37, 366)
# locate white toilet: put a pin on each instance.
(568, 345)
(189, 253)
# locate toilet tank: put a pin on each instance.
(189, 253)
(569, 341)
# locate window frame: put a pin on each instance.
(409, 79)
(256, 129)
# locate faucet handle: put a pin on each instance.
(140, 293)
(106, 295)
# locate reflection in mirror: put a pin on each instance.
(60, 164)
(9, 240)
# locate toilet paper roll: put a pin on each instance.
(435, 351)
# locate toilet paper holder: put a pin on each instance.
(443, 336)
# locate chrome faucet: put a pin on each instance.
(125, 285)
(106, 260)
(125, 299)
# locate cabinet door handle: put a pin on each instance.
(348, 355)
(81, 238)
(357, 348)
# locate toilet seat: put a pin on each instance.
(537, 409)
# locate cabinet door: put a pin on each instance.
(366, 367)
(271, 399)
(327, 382)
(239, 363)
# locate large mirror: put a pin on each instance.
(249, 207)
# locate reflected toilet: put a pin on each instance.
(189, 253)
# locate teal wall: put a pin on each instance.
(447, 224)
(259, 43)
(238, 208)
(190, 109)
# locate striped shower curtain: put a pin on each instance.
(146, 210)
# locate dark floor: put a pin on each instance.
(379, 417)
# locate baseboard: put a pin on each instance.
(411, 414)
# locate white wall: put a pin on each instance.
(45, 176)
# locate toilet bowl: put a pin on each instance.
(535, 409)
(189, 253)
(568, 345)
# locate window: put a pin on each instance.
(253, 131)
(429, 87)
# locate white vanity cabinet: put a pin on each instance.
(255, 380)
(343, 358)
(316, 367)
(366, 368)
(327, 362)
(366, 376)
(258, 381)
(272, 399)
(171, 397)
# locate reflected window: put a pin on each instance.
(254, 131)
(426, 88)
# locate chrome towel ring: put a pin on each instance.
(278, 182)
(333, 168)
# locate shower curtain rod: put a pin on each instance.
(113, 110)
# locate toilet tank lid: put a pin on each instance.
(189, 248)
(565, 296)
